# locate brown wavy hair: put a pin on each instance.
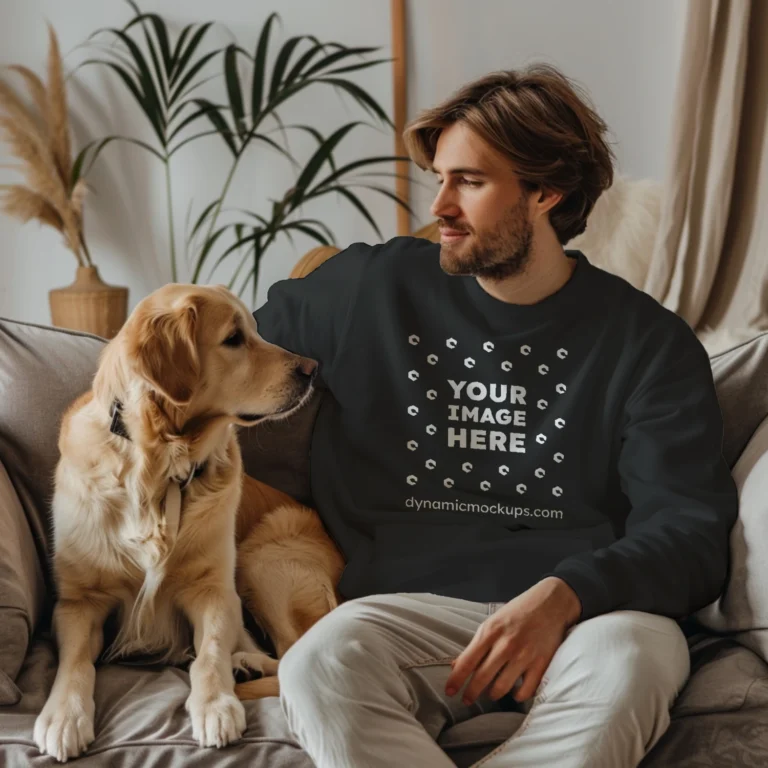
(544, 123)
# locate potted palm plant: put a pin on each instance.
(54, 193)
(161, 72)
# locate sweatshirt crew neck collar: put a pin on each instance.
(573, 297)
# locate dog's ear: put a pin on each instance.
(166, 352)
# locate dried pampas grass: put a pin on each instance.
(42, 143)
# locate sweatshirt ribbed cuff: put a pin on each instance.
(592, 592)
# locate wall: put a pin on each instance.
(626, 54)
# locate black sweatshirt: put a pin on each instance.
(470, 447)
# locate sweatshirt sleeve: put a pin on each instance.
(309, 315)
(674, 556)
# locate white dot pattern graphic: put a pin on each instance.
(468, 361)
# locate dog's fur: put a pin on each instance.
(187, 367)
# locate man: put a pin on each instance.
(519, 455)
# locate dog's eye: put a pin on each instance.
(235, 340)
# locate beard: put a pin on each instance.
(493, 255)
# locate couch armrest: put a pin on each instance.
(742, 609)
(22, 588)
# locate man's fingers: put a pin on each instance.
(487, 671)
(531, 680)
(467, 662)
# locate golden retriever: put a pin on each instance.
(147, 515)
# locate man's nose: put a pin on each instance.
(444, 206)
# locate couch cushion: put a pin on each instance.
(141, 720)
(720, 718)
(277, 452)
(21, 588)
(42, 370)
(740, 376)
(743, 606)
(723, 678)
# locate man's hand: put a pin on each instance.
(518, 639)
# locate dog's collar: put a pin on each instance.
(117, 427)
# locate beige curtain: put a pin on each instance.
(710, 263)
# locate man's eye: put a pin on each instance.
(235, 340)
(471, 183)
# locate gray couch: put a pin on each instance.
(720, 719)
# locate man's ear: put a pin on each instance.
(166, 352)
(547, 199)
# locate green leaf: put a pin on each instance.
(298, 68)
(278, 71)
(281, 127)
(172, 152)
(388, 193)
(147, 108)
(77, 166)
(260, 66)
(178, 49)
(260, 219)
(272, 143)
(234, 90)
(318, 137)
(240, 242)
(361, 96)
(242, 263)
(352, 166)
(162, 73)
(209, 243)
(161, 33)
(322, 226)
(187, 120)
(251, 274)
(179, 90)
(284, 94)
(219, 123)
(189, 90)
(306, 230)
(288, 234)
(183, 60)
(321, 155)
(360, 207)
(151, 101)
(115, 55)
(203, 216)
(357, 67)
(133, 86)
(159, 77)
(258, 252)
(334, 57)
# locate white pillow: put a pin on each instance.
(743, 606)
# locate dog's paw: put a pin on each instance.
(251, 666)
(217, 721)
(63, 729)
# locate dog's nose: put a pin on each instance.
(307, 368)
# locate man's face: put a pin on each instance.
(485, 222)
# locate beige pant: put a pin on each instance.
(365, 687)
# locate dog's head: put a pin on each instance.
(198, 348)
